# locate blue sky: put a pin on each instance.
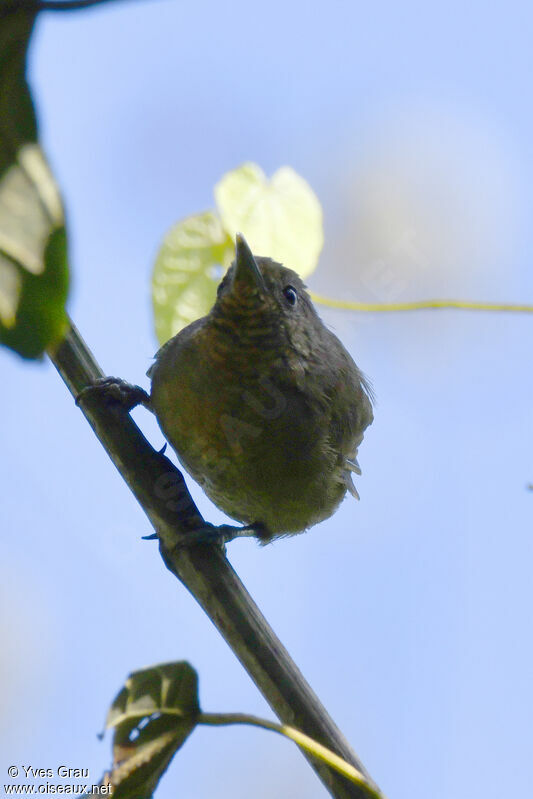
(409, 612)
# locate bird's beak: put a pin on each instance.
(247, 274)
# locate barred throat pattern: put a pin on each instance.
(243, 333)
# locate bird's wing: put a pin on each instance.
(182, 336)
(351, 415)
(349, 484)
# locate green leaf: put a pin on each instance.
(166, 688)
(281, 217)
(185, 273)
(41, 317)
(152, 715)
(33, 263)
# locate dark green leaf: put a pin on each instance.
(33, 263)
(152, 715)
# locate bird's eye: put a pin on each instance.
(291, 295)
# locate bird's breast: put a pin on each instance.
(253, 428)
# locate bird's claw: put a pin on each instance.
(115, 391)
(220, 534)
(211, 534)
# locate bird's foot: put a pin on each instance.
(220, 534)
(115, 391)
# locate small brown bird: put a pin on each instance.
(262, 403)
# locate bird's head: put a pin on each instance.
(265, 299)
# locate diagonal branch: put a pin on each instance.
(204, 570)
(52, 5)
